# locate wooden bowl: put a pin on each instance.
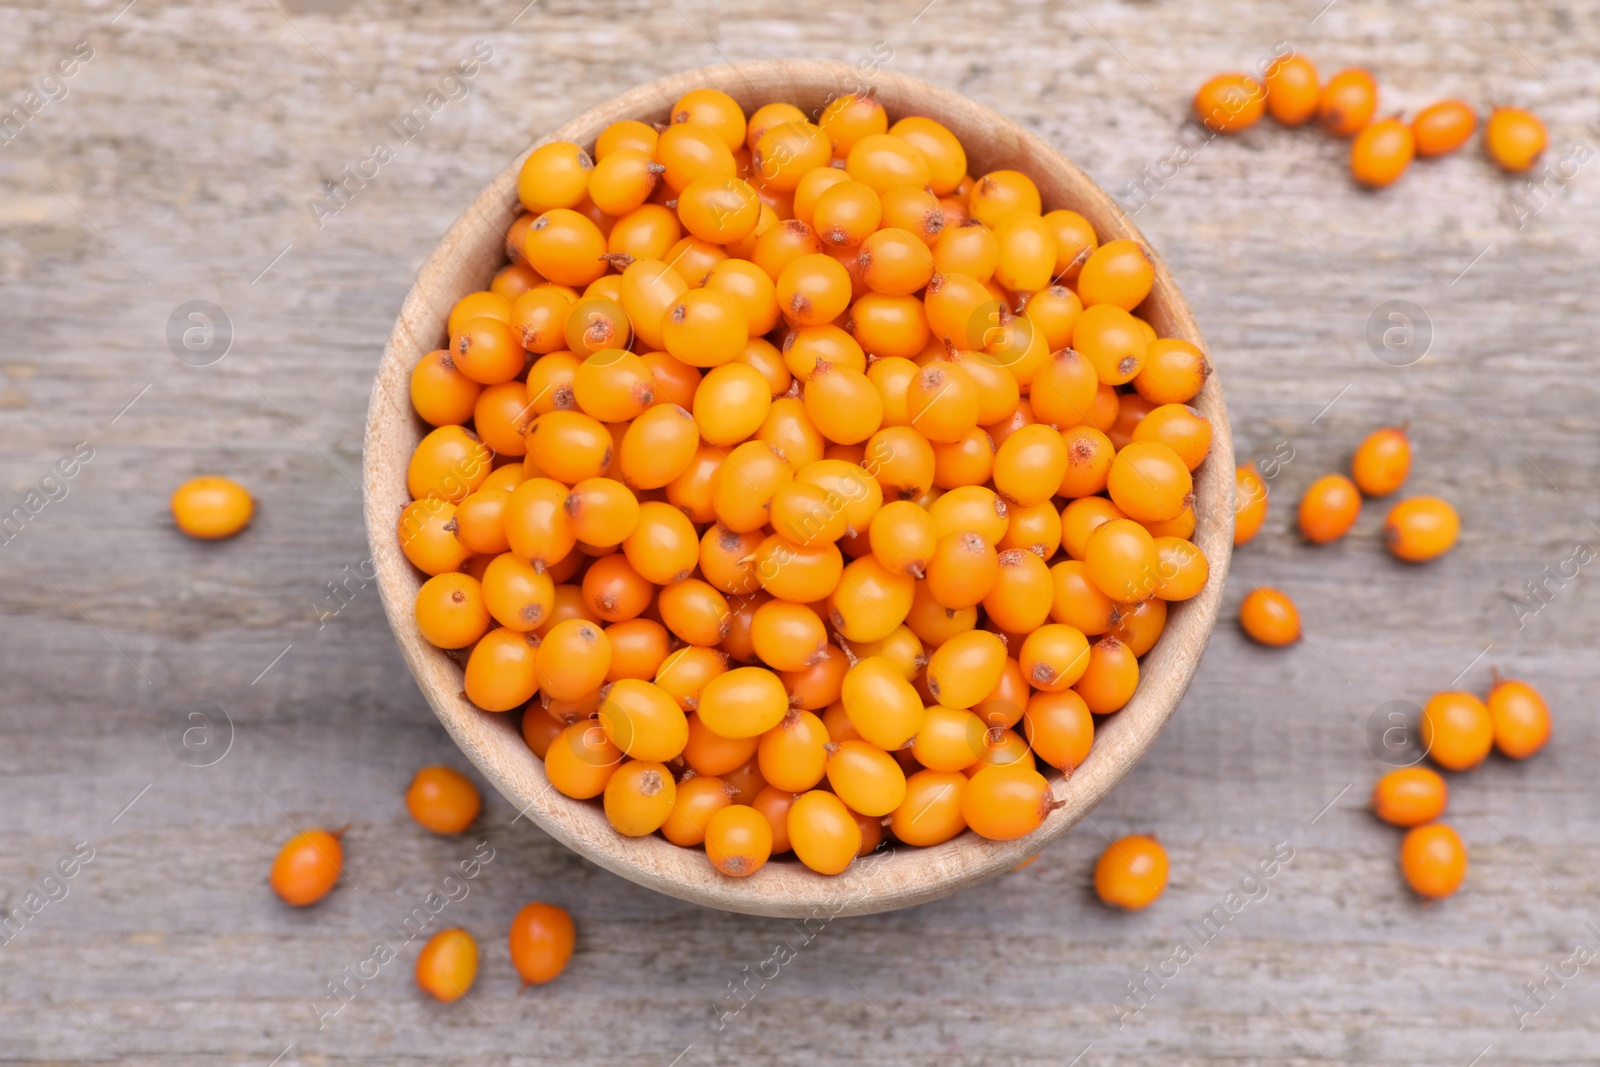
(895, 877)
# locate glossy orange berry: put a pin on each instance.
(766, 117)
(426, 532)
(212, 507)
(969, 249)
(1249, 504)
(707, 753)
(487, 351)
(447, 964)
(542, 937)
(880, 704)
(1293, 90)
(573, 659)
(1110, 339)
(1433, 860)
(901, 460)
(648, 232)
(965, 462)
(743, 485)
(1089, 457)
(1382, 461)
(889, 326)
(1173, 372)
(1035, 529)
(449, 462)
(1348, 102)
(744, 702)
(450, 610)
(1270, 617)
(894, 262)
(851, 117)
(712, 108)
(1123, 561)
(962, 570)
(813, 289)
(1002, 193)
(822, 832)
(539, 319)
(1027, 253)
(1111, 677)
(1381, 153)
(755, 293)
(1456, 730)
(1149, 482)
(1063, 390)
(739, 839)
(902, 648)
(657, 447)
(788, 636)
(774, 804)
(690, 151)
(1409, 796)
(1521, 717)
(966, 668)
(626, 133)
(1443, 127)
(1139, 626)
(1421, 529)
(699, 799)
(613, 385)
(638, 649)
(623, 180)
(943, 402)
(1029, 467)
(538, 527)
(1329, 508)
(501, 672)
(518, 594)
(1077, 601)
(1059, 728)
(719, 209)
(1131, 873)
(842, 404)
(639, 797)
(481, 304)
(1119, 273)
(307, 866)
(643, 720)
(1229, 103)
(869, 600)
(903, 540)
(846, 214)
(1020, 596)
(440, 393)
(581, 760)
(1180, 427)
(603, 512)
(566, 247)
(793, 755)
(950, 739)
(1005, 802)
(1080, 518)
(555, 175)
(947, 159)
(731, 403)
(1182, 570)
(786, 152)
(1054, 657)
(1514, 138)
(705, 328)
(882, 161)
(865, 777)
(931, 812)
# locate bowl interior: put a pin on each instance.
(894, 877)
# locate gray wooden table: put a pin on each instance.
(178, 162)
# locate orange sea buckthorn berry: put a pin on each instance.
(865, 777)
(846, 214)
(902, 459)
(1456, 730)
(947, 159)
(539, 319)
(1020, 596)
(969, 249)
(1514, 138)
(1029, 467)
(615, 591)
(699, 798)
(649, 289)
(1063, 390)
(731, 403)
(1443, 127)
(903, 538)
(595, 324)
(692, 260)
(1131, 872)
(1409, 796)
(517, 593)
(1118, 273)
(1054, 312)
(842, 403)
(450, 610)
(1110, 678)
(902, 647)
(1270, 617)
(486, 351)
(783, 244)
(694, 611)
(1179, 427)
(888, 326)
(742, 487)
(1149, 482)
(793, 755)
(950, 739)
(705, 328)
(1027, 253)
(481, 304)
(774, 804)
(1077, 601)
(942, 402)
(448, 964)
(1035, 529)
(739, 840)
(1183, 569)
(930, 814)
(819, 684)
(623, 180)
(787, 636)
(849, 118)
(1173, 372)
(689, 151)
(1005, 802)
(1293, 90)
(639, 797)
(1123, 561)
(1110, 339)
(962, 570)
(644, 720)
(555, 175)
(1075, 241)
(450, 463)
(1381, 153)
(881, 162)
(894, 262)
(1080, 518)
(805, 515)
(822, 832)
(638, 649)
(212, 507)
(966, 668)
(573, 659)
(613, 385)
(1089, 457)
(755, 293)
(625, 133)
(443, 800)
(915, 211)
(719, 209)
(540, 731)
(501, 672)
(1054, 657)
(426, 532)
(707, 753)
(1002, 193)
(1249, 504)
(603, 512)
(541, 939)
(786, 152)
(766, 117)
(715, 109)
(934, 623)
(881, 705)
(501, 418)
(1433, 860)
(565, 247)
(1421, 529)
(658, 446)
(744, 702)
(1521, 717)
(1329, 508)
(966, 462)
(307, 866)
(1139, 626)
(537, 525)
(805, 348)
(1229, 103)
(1059, 728)
(803, 574)
(1348, 102)
(440, 393)
(581, 760)
(813, 289)
(1382, 461)
(647, 232)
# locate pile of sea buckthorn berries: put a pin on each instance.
(1417, 529)
(1456, 730)
(445, 801)
(1291, 92)
(797, 483)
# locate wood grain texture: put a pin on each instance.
(178, 167)
(468, 256)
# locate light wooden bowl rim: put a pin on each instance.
(895, 877)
